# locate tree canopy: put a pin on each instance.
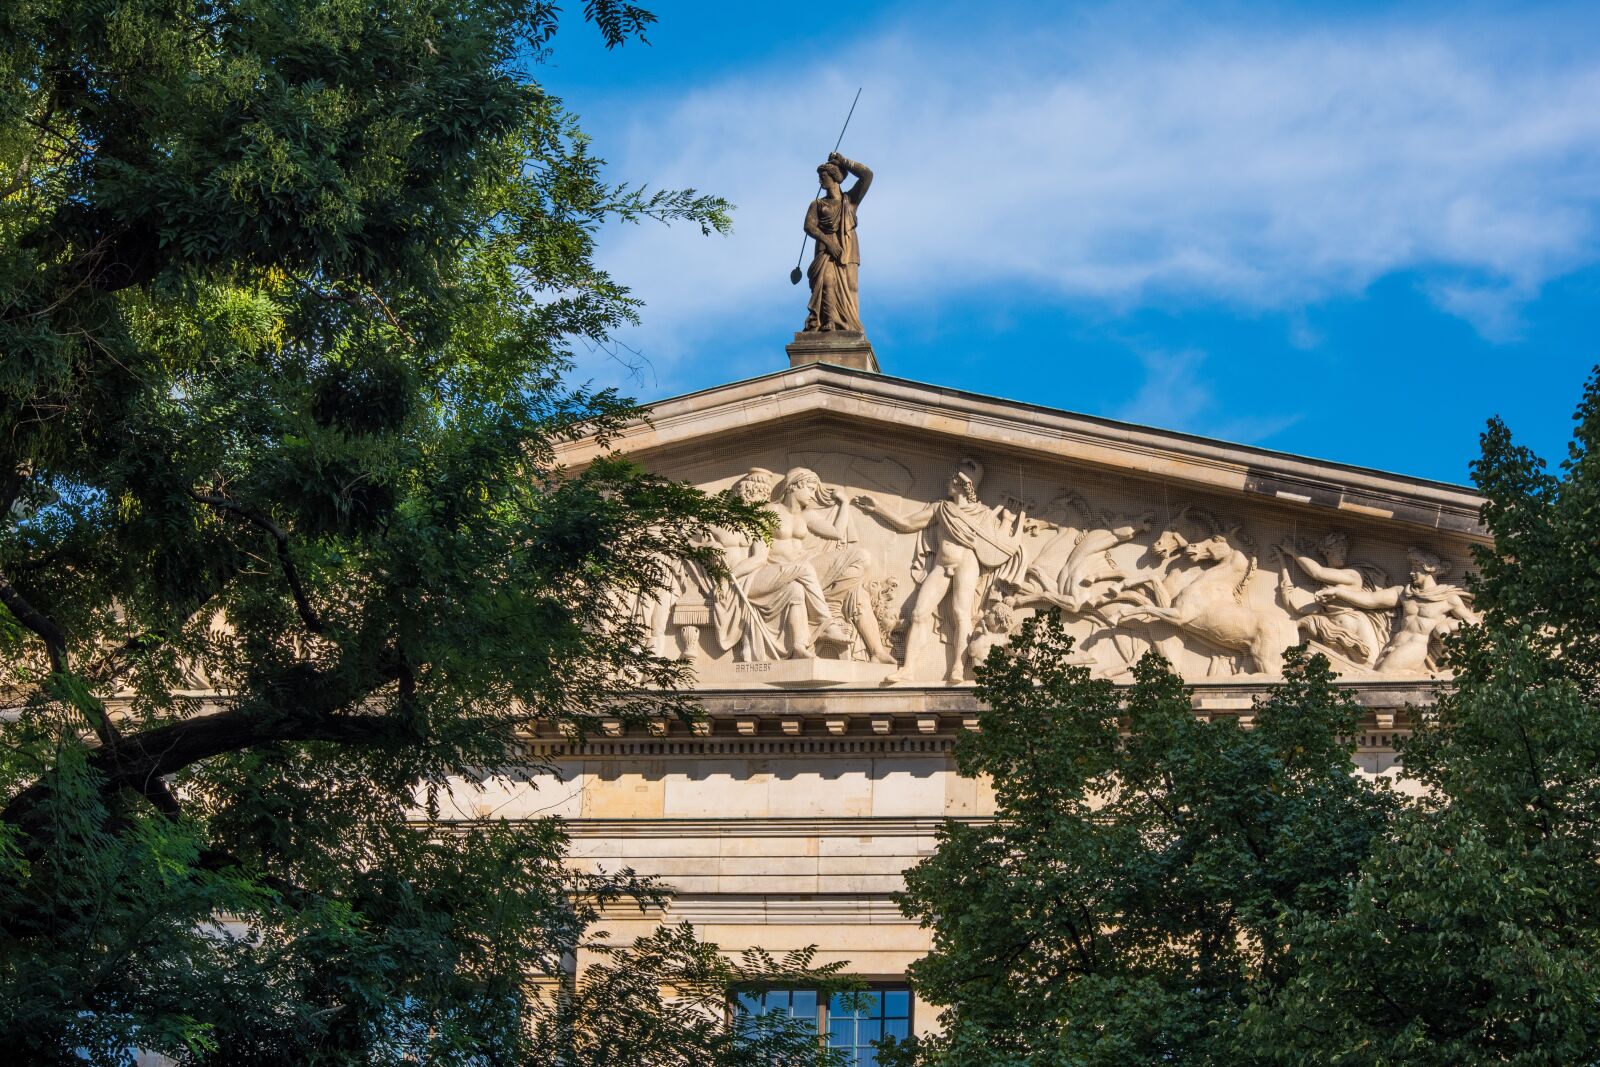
(1472, 933)
(1161, 889)
(1132, 890)
(286, 294)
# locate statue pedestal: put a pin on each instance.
(842, 348)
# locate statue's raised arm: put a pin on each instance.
(860, 171)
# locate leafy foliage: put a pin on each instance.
(1134, 888)
(1472, 935)
(616, 1012)
(286, 294)
(1161, 889)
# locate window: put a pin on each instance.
(851, 1022)
(857, 1021)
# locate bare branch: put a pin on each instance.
(393, 320)
(43, 627)
(302, 602)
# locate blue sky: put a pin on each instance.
(1350, 231)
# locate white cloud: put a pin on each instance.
(1263, 168)
(1177, 394)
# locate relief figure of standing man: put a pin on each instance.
(963, 548)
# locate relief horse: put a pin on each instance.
(1213, 606)
(1088, 577)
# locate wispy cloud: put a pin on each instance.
(1179, 394)
(1265, 168)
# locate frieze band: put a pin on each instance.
(1186, 585)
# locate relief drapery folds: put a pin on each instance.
(808, 591)
(911, 586)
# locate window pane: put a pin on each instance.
(800, 1003)
(860, 1003)
(857, 1019)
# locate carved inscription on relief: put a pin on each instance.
(860, 572)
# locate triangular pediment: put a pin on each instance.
(1216, 554)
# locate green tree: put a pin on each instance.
(1473, 932)
(663, 1001)
(1158, 889)
(286, 294)
(1133, 891)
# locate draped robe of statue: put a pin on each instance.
(758, 612)
(842, 570)
(831, 219)
(835, 304)
(1348, 631)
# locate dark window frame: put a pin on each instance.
(823, 1019)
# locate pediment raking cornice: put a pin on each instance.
(868, 400)
(916, 527)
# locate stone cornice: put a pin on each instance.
(905, 700)
(764, 909)
(766, 826)
(739, 746)
(866, 400)
(832, 736)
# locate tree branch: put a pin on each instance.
(43, 627)
(55, 640)
(139, 761)
(11, 488)
(302, 602)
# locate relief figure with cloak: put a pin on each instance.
(963, 549)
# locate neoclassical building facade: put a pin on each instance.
(915, 527)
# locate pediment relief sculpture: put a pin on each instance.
(809, 585)
(807, 593)
(1210, 601)
(1425, 608)
(964, 551)
(870, 572)
(1353, 634)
